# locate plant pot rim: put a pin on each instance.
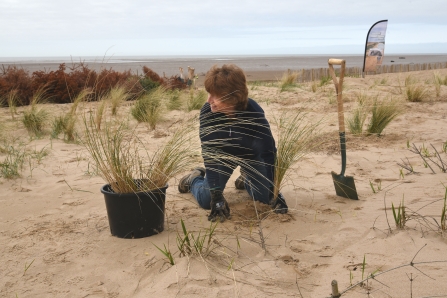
(106, 188)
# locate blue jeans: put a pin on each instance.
(257, 186)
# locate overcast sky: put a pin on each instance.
(31, 28)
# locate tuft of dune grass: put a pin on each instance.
(149, 107)
(288, 80)
(382, 113)
(122, 158)
(36, 116)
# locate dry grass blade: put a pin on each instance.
(12, 100)
(382, 113)
(416, 93)
(117, 96)
(288, 80)
(66, 123)
(116, 158)
(81, 97)
(99, 113)
(296, 138)
(35, 117)
(121, 157)
(173, 157)
(357, 120)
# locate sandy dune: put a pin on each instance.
(54, 215)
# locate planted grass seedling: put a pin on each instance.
(399, 215)
(378, 185)
(12, 165)
(189, 243)
(167, 253)
(27, 267)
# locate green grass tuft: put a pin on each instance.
(12, 165)
(357, 120)
(382, 113)
(149, 107)
(416, 93)
(399, 215)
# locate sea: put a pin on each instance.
(169, 65)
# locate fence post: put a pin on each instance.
(335, 293)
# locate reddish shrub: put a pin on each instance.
(152, 75)
(14, 78)
(133, 87)
(60, 87)
(175, 83)
(109, 78)
(63, 84)
(170, 83)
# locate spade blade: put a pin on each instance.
(345, 186)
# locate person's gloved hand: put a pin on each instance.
(279, 205)
(219, 207)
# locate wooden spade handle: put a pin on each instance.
(338, 88)
(334, 61)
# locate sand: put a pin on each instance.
(56, 242)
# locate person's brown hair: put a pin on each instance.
(229, 83)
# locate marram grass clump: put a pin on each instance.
(297, 136)
(149, 107)
(382, 113)
(416, 93)
(117, 96)
(36, 116)
(357, 120)
(358, 117)
(66, 123)
(121, 157)
(288, 81)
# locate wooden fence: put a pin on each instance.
(315, 74)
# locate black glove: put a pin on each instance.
(279, 205)
(219, 206)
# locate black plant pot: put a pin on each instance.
(135, 215)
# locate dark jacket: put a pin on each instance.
(245, 140)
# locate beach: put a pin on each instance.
(255, 67)
(56, 240)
